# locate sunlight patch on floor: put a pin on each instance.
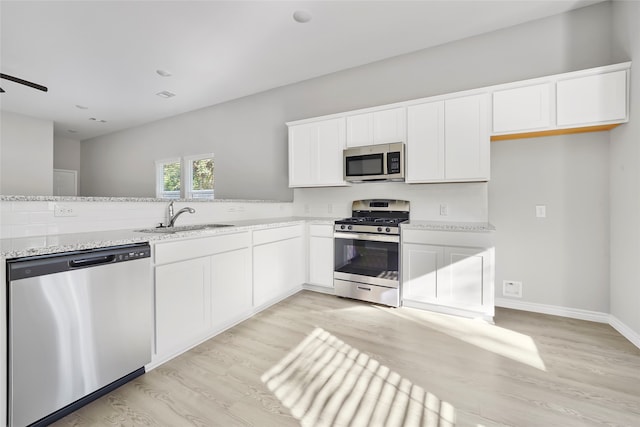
(326, 382)
(504, 342)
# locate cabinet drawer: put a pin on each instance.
(203, 246)
(274, 234)
(321, 230)
(448, 238)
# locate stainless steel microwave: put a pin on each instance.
(382, 162)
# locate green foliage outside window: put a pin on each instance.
(172, 176)
(203, 174)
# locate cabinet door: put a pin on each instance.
(522, 109)
(278, 269)
(183, 298)
(592, 99)
(379, 127)
(389, 126)
(425, 142)
(315, 153)
(462, 278)
(360, 130)
(330, 143)
(466, 139)
(231, 293)
(321, 261)
(301, 154)
(420, 264)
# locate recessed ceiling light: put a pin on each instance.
(93, 119)
(166, 94)
(301, 16)
(82, 107)
(164, 73)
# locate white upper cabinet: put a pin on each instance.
(315, 153)
(378, 127)
(466, 138)
(448, 141)
(425, 142)
(592, 100)
(522, 109)
(550, 105)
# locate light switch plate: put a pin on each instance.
(541, 211)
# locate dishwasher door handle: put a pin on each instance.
(86, 262)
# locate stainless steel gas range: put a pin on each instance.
(367, 251)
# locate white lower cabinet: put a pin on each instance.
(183, 304)
(278, 263)
(321, 255)
(231, 286)
(451, 279)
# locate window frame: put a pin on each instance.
(160, 192)
(187, 173)
(186, 178)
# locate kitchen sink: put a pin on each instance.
(180, 228)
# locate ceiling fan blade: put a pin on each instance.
(23, 82)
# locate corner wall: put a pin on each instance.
(625, 180)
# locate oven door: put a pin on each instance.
(367, 258)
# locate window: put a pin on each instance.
(190, 177)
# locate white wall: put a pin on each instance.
(625, 177)
(465, 201)
(563, 259)
(26, 155)
(249, 138)
(66, 153)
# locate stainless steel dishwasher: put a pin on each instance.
(80, 325)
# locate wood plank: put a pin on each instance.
(553, 132)
(527, 369)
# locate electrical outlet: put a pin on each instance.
(444, 209)
(306, 208)
(330, 208)
(511, 288)
(61, 210)
(541, 211)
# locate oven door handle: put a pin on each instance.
(370, 237)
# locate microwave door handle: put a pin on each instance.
(370, 237)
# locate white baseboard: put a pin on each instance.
(624, 330)
(573, 313)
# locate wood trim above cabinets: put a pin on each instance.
(554, 132)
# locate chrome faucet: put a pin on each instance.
(171, 218)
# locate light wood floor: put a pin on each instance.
(526, 370)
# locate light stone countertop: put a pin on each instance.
(476, 227)
(19, 198)
(58, 243)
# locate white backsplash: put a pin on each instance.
(464, 201)
(37, 218)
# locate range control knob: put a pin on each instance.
(342, 227)
(379, 229)
(388, 230)
(349, 227)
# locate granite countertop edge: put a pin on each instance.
(475, 227)
(52, 244)
(18, 198)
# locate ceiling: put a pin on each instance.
(99, 58)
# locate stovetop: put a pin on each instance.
(369, 220)
(375, 216)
